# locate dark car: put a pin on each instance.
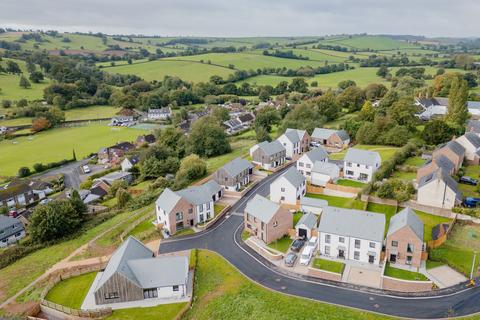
(297, 245)
(290, 259)
(471, 202)
(468, 180)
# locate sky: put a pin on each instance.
(234, 18)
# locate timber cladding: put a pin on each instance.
(119, 287)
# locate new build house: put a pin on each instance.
(266, 220)
(438, 189)
(434, 164)
(454, 151)
(289, 188)
(234, 175)
(351, 234)
(159, 113)
(11, 230)
(295, 142)
(323, 173)
(361, 164)
(306, 162)
(330, 138)
(133, 273)
(471, 143)
(438, 106)
(268, 155)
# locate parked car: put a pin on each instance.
(471, 202)
(290, 259)
(46, 200)
(86, 169)
(306, 256)
(297, 245)
(468, 180)
(313, 242)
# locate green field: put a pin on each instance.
(71, 292)
(58, 144)
(370, 42)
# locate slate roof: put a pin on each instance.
(236, 166)
(365, 157)
(261, 208)
(167, 200)
(309, 220)
(473, 126)
(324, 134)
(473, 139)
(196, 195)
(294, 135)
(440, 174)
(117, 175)
(270, 148)
(324, 167)
(353, 223)
(149, 138)
(134, 159)
(211, 187)
(313, 202)
(406, 217)
(246, 117)
(317, 154)
(16, 189)
(442, 162)
(10, 226)
(293, 176)
(456, 147)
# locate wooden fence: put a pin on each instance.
(134, 225)
(432, 244)
(96, 313)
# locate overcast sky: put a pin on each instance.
(247, 17)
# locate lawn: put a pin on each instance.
(161, 312)
(296, 217)
(184, 232)
(403, 274)
(414, 162)
(433, 264)
(57, 144)
(347, 203)
(350, 183)
(71, 292)
(217, 208)
(429, 221)
(404, 175)
(328, 265)
(385, 209)
(458, 258)
(468, 190)
(386, 152)
(281, 244)
(145, 231)
(370, 42)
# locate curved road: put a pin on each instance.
(225, 239)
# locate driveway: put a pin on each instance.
(444, 276)
(364, 277)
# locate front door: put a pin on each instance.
(393, 258)
(341, 254)
(302, 233)
(191, 222)
(371, 259)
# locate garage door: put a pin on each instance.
(302, 233)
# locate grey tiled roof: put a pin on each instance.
(324, 134)
(294, 135)
(324, 167)
(271, 148)
(309, 220)
(293, 176)
(117, 175)
(236, 166)
(473, 126)
(167, 200)
(313, 202)
(317, 154)
(456, 147)
(473, 139)
(9, 226)
(406, 217)
(365, 157)
(211, 187)
(196, 195)
(442, 162)
(440, 174)
(261, 208)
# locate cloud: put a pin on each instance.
(246, 17)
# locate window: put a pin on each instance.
(394, 243)
(208, 206)
(410, 248)
(150, 293)
(308, 173)
(179, 216)
(282, 198)
(357, 244)
(190, 210)
(372, 245)
(282, 189)
(327, 250)
(300, 164)
(349, 164)
(200, 208)
(409, 260)
(327, 238)
(111, 295)
(349, 173)
(341, 239)
(356, 255)
(175, 288)
(308, 165)
(366, 167)
(275, 224)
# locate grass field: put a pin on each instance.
(328, 265)
(370, 42)
(58, 144)
(340, 202)
(403, 274)
(71, 292)
(386, 152)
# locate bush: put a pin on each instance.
(24, 172)
(144, 199)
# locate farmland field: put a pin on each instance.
(370, 42)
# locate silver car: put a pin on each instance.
(290, 259)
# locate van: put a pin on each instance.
(313, 242)
(306, 256)
(86, 169)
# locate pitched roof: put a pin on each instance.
(149, 138)
(473, 139)
(167, 200)
(160, 272)
(354, 223)
(317, 154)
(440, 174)
(365, 157)
(442, 162)
(117, 175)
(236, 166)
(196, 195)
(133, 159)
(294, 135)
(246, 117)
(270, 148)
(324, 134)
(10, 226)
(261, 208)
(456, 147)
(326, 168)
(293, 176)
(14, 189)
(406, 217)
(309, 220)
(313, 202)
(439, 230)
(473, 126)
(211, 187)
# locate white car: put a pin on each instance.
(86, 169)
(306, 256)
(313, 242)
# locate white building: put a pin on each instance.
(361, 164)
(11, 230)
(313, 205)
(323, 173)
(351, 234)
(129, 162)
(438, 189)
(295, 142)
(159, 114)
(471, 142)
(289, 188)
(307, 160)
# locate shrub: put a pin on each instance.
(24, 172)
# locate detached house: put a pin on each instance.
(323, 173)
(268, 155)
(307, 161)
(434, 164)
(331, 138)
(267, 220)
(471, 143)
(234, 175)
(361, 164)
(145, 139)
(159, 114)
(129, 162)
(18, 194)
(404, 243)
(351, 234)
(438, 189)
(114, 154)
(122, 121)
(454, 151)
(289, 188)
(11, 230)
(295, 142)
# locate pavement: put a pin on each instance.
(224, 238)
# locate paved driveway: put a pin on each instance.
(446, 276)
(365, 277)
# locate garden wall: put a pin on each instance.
(400, 285)
(322, 274)
(262, 251)
(218, 216)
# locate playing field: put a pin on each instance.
(58, 144)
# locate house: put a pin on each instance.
(434, 164)
(234, 175)
(117, 176)
(306, 225)
(473, 126)
(145, 139)
(295, 142)
(404, 244)
(113, 154)
(133, 273)
(16, 194)
(233, 126)
(246, 119)
(159, 114)
(3, 130)
(212, 188)
(307, 160)
(454, 151)
(323, 173)
(268, 155)
(88, 197)
(312, 205)
(11, 230)
(351, 234)
(129, 162)
(471, 143)
(438, 189)
(100, 184)
(267, 220)
(122, 121)
(361, 164)
(330, 138)
(289, 188)
(438, 106)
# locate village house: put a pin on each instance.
(471, 143)
(122, 121)
(404, 244)
(133, 273)
(454, 151)
(313, 205)
(323, 173)
(268, 155)
(473, 126)
(295, 142)
(16, 195)
(145, 139)
(306, 225)
(438, 106)
(351, 234)
(330, 138)
(307, 160)
(129, 162)
(234, 175)
(361, 164)
(113, 155)
(159, 114)
(111, 177)
(246, 119)
(289, 188)
(438, 189)
(434, 164)
(233, 126)
(266, 220)
(11, 230)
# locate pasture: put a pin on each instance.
(369, 42)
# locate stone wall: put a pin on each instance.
(400, 285)
(263, 252)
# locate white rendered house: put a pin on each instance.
(361, 164)
(289, 188)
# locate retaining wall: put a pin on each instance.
(263, 252)
(322, 274)
(400, 285)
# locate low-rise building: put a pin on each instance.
(471, 143)
(267, 220)
(122, 121)
(330, 138)
(295, 142)
(111, 177)
(434, 164)
(268, 155)
(438, 189)
(129, 162)
(323, 173)
(289, 188)
(361, 164)
(145, 139)
(307, 224)
(11, 230)
(17, 194)
(454, 151)
(313, 205)
(306, 162)
(113, 155)
(159, 113)
(234, 175)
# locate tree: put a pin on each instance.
(24, 83)
(314, 84)
(191, 168)
(352, 98)
(23, 172)
(123, 197)
(397, 136)
(40, 124)
(6, 103)
(457, 111)
(304, 117)
(375, 91)
(22, 103)
(78, 204)
(367, 133)
(298, 85)
(36, 76)
(221, 114)
(367, 113)
(327, 105)
(12, 67)
(346, 83)
(437, 132)
(262, 134)
(264, 95)
(403, 113)
(153, 168)
(382, 72)
(266, 118)
(207, 138)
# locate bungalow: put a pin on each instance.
(11, 230)
(117, 176)
(133, 273)
(306, 225)
(361, 164)
(434, 164)
(307, 160)
(324, 172)
(246, 119)
(473, 126)
(268, 155)
(267, 220)
(129, 162)
(289, 188)
(145, 139)
(351, 234)
(437, 107)
(233, 126)
(114, 154)
(471, 143)
(295, 142)
(313, 205)
(454, 151)
(330, 138)
(159, 114)
(234, 175)
(17, 194)
(122, 121)
(438, 189)
(404, 243)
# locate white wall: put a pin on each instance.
(12, 239)
(312, 209)
(283, 188)
(206, 210)
(167, 292)
(291, 149)
(162, 217)
(305, 165)
(349, 244)
(436, 195)
(353, 170)
(470, 150)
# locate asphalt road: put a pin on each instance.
(225, 238)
